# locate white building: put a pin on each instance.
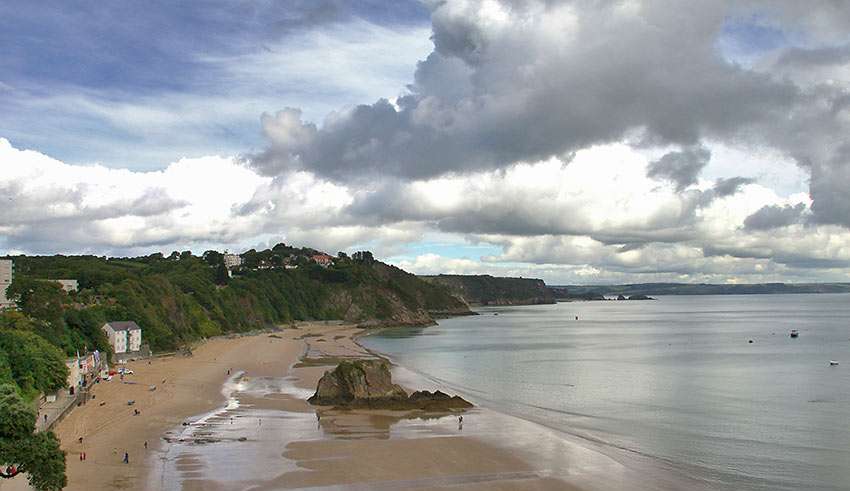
(124, 336)
(232, 260)
(68, 285)
(7, 271)
(75, 375)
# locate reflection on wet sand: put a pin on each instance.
(268, 437)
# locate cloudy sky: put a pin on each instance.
(579, 141)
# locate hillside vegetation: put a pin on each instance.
(183, 297)
(491, 290)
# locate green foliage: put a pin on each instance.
(180, 298)
(36, 454)
(34, 363)
(39, 299)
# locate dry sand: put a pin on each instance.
(185, 386)
(351, 449)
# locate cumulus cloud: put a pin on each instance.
(528, 80)
(597, 218)
(48, 203)
(604, 140)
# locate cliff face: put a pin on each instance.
(389, 296)
(491, 290)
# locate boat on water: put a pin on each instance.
(833, 363)
(794, 333)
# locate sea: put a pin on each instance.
(709, 387)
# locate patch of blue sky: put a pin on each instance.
(744, 40)
(446, 249)
(142, 84)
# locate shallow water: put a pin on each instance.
(675, 381)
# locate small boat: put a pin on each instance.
(794, 333)
(833, 363)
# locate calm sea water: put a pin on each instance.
(675, 380)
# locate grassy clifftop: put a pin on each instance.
(183, 297)
(491, 290)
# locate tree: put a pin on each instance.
(36, 365)
(40, 299)
(213, 258)
(35, 454)
(364, 257)
(221, 275)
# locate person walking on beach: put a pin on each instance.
(126, 458)
(146, 444)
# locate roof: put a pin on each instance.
(123, 326)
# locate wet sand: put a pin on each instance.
(254, 430)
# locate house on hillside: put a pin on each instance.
(232, 261)
(124, 336)
(7, 271)
(322, 260)
(68, 285)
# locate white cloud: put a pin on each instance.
(596, 218)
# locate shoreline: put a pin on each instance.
(315, 446)
(664, 475)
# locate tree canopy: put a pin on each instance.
(35, 454)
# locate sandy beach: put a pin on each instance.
(253, 429)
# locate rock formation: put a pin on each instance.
(368, 383)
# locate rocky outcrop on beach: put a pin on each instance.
(368, 384)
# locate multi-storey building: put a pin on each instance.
(7, 271)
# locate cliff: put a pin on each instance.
(491, 290)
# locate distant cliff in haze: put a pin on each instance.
(599, 292)
(492, 290)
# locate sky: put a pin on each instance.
(577, 141)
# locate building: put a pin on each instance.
(322, 260)
(7, 271)
(232, 260)
(124, 336)
(68, 285)
(75, 375)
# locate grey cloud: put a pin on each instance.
(830, 188)
(525, 88)
(730, 186)
(490, 97)
(680, 168)
(807, 58)
(774, 216)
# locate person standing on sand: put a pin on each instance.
(146, 444)
(126, 458)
